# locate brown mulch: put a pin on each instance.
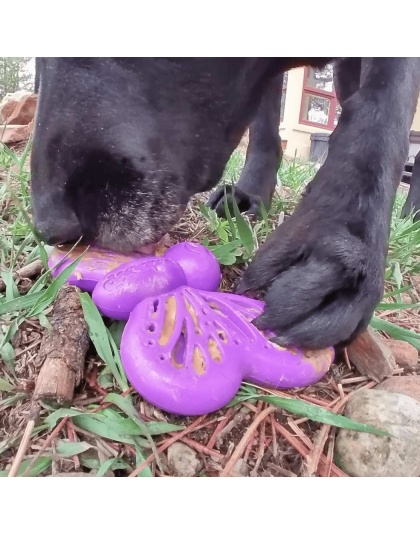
(248, 439)
(265, 441)
(244, 440)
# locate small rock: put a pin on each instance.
(183, 461)
(406, 385)
(240, 468)
(405, 354)
(9, 104)
(9, 135)
(406, 299)
(6, 110)
(371, 356)
(366, 455)
(24, 111)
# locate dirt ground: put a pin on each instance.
(251, 438)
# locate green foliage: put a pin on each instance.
(14, 75)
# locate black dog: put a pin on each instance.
(121, 144)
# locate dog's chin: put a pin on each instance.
(135, 232)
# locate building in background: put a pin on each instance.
(310, 106)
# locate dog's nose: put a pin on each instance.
(58, 231)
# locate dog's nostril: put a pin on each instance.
(58, 232)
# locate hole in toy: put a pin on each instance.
(161, 357)
(198, 361)
(236, 341)
(169, 323)
(222, 335)
(150, 343)
(151, 328)
(178, 352)
(194, 317)
(214, 351)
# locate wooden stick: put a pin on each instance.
(219, 428)
(261, 450)
(64, 349)
(33, 416)
(47, 442)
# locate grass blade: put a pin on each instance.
(315, 413)
(229, 216)
(397, 292)
(397, 306)
(41, 465)
(67, 449)
(397, 332)
(244, 230)
(20, 303)
(101, 338)
(125, 404)
(49, 295)
(110, 465)
(146, 472)
(5, 386)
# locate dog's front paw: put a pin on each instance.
(321, 283)
(246, 202)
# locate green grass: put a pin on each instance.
(234, 240)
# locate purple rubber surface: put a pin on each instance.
(194, 363)
(199, 265)
(94, 265)
(119, 292)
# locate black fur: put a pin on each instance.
(122, 143)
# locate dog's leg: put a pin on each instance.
(347, 75)
(323, 268)
(258, 179)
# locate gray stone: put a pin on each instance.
(366, 455)
(183, 461)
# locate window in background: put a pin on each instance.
(320, 106)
